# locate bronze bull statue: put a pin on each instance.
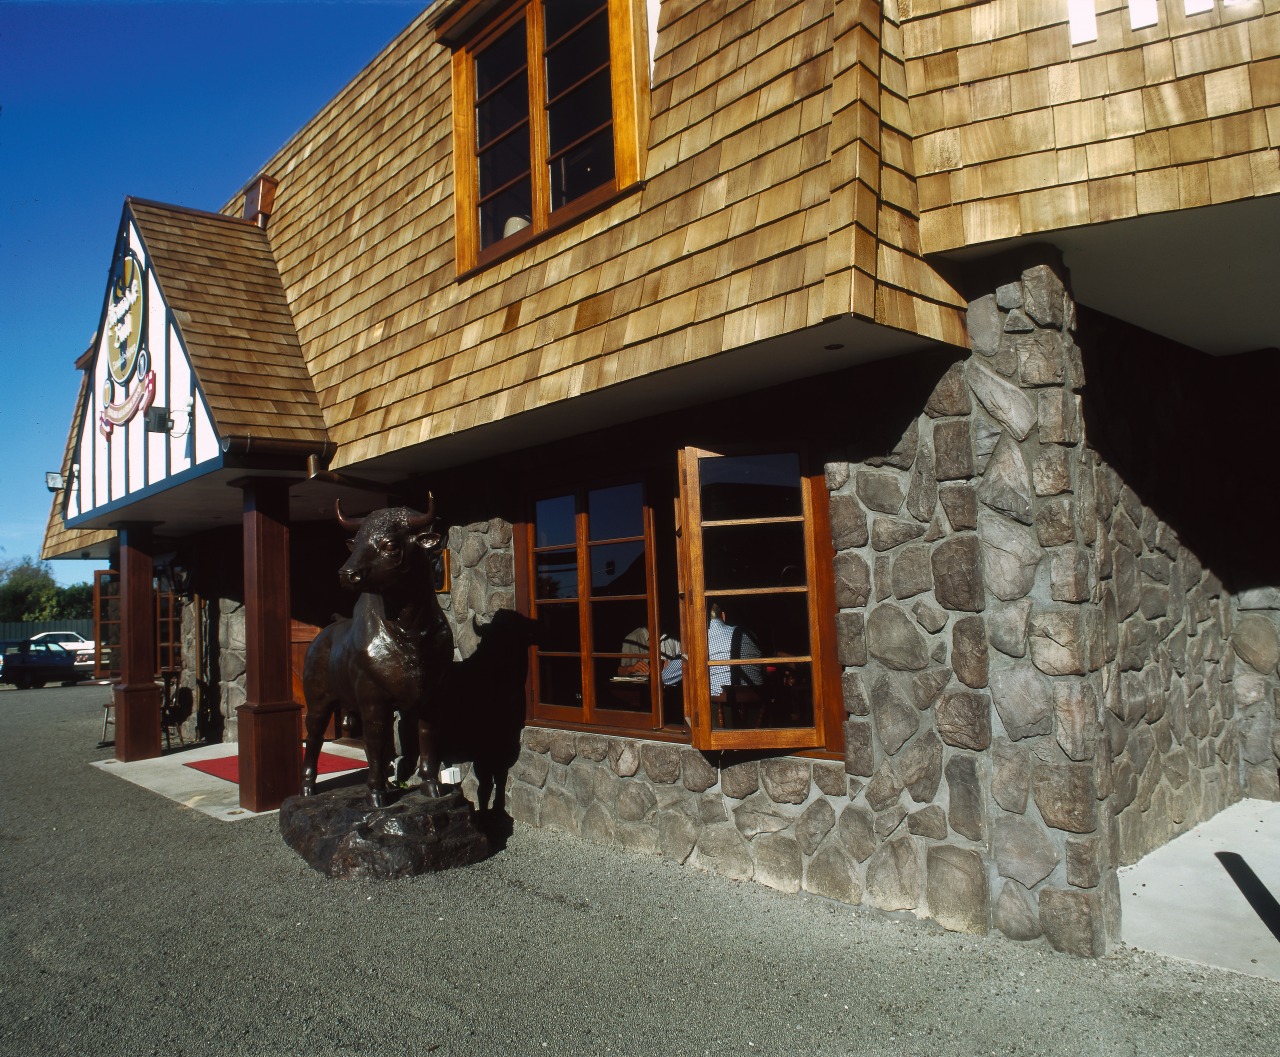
(391, 656)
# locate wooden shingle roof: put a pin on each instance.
(220, 280)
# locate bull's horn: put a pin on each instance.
(423, 521)
(348, 523)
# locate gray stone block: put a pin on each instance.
(786, 780)
(1006, 482)
(723, 850)
(894, 880)
(856, 832)
(965, 810)
(1074, 922)
(958, 574)
(1024, 700)
(890, 532)
(1004, 401)
(1010, 557)
(814, 824)
(851, 639)
(661, 762)
(957, 889)
(740, 780)
(779, 863)
(852, 581)
(895, 718)
(963, 719)
(848, 523)
(950, 397)
(879, 491)
(1015, 913)
(894, 640)
(919, 766)
(952, 451)
(1066, 795)
(912, 574)
(929, 821)
(969, 651)
(1023, 850)
(830, 874)
(699, 774)
(960, 504)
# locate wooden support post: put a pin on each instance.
(137, 696)
(269, 720)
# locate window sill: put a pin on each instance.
(566, 217)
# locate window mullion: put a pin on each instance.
(539, 132)
(585, 640)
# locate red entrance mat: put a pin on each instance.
(228, 767)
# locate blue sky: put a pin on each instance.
(178, 102)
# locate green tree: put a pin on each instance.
(75, 602)
(28, 591)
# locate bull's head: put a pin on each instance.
(389, 549)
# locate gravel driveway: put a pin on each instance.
(134, 926)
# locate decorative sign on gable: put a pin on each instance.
(131, 385)
(146, 425)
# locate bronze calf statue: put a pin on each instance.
(391, 656)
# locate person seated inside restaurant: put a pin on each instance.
(636, 645)
(731, 684)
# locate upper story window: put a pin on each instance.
(545, 119)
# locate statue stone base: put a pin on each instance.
(339, 834)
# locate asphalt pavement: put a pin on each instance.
(134, 925)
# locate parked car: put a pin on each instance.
(72, 641)
(28, 664)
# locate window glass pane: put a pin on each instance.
(580, 112)
(778, 625)
(618, 694)
(505, 161)
(750, 486)
(507, 213)
(760, 555)
(557, 574)
(616, 513)
(581, 169)
(503, 110)
(574, 57)
(621, 628)
(501, 59)
(560, 681)
(618, 569)
(563, 15)
(558, 630)
(782, 697)
(554, 521)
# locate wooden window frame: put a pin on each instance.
(107, 627)
(630, 87)
(590, 714)
(826, 733)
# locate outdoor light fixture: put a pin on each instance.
(54, 481)
(158, 419)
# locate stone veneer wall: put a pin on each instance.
(1167, 678)
(1039, 677)
(1255, 640)
(219, 689)
(483, 577)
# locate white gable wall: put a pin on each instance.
(117, 458)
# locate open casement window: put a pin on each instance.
(106, 627)
(760, 671)
(546, 119)
(598, 653)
